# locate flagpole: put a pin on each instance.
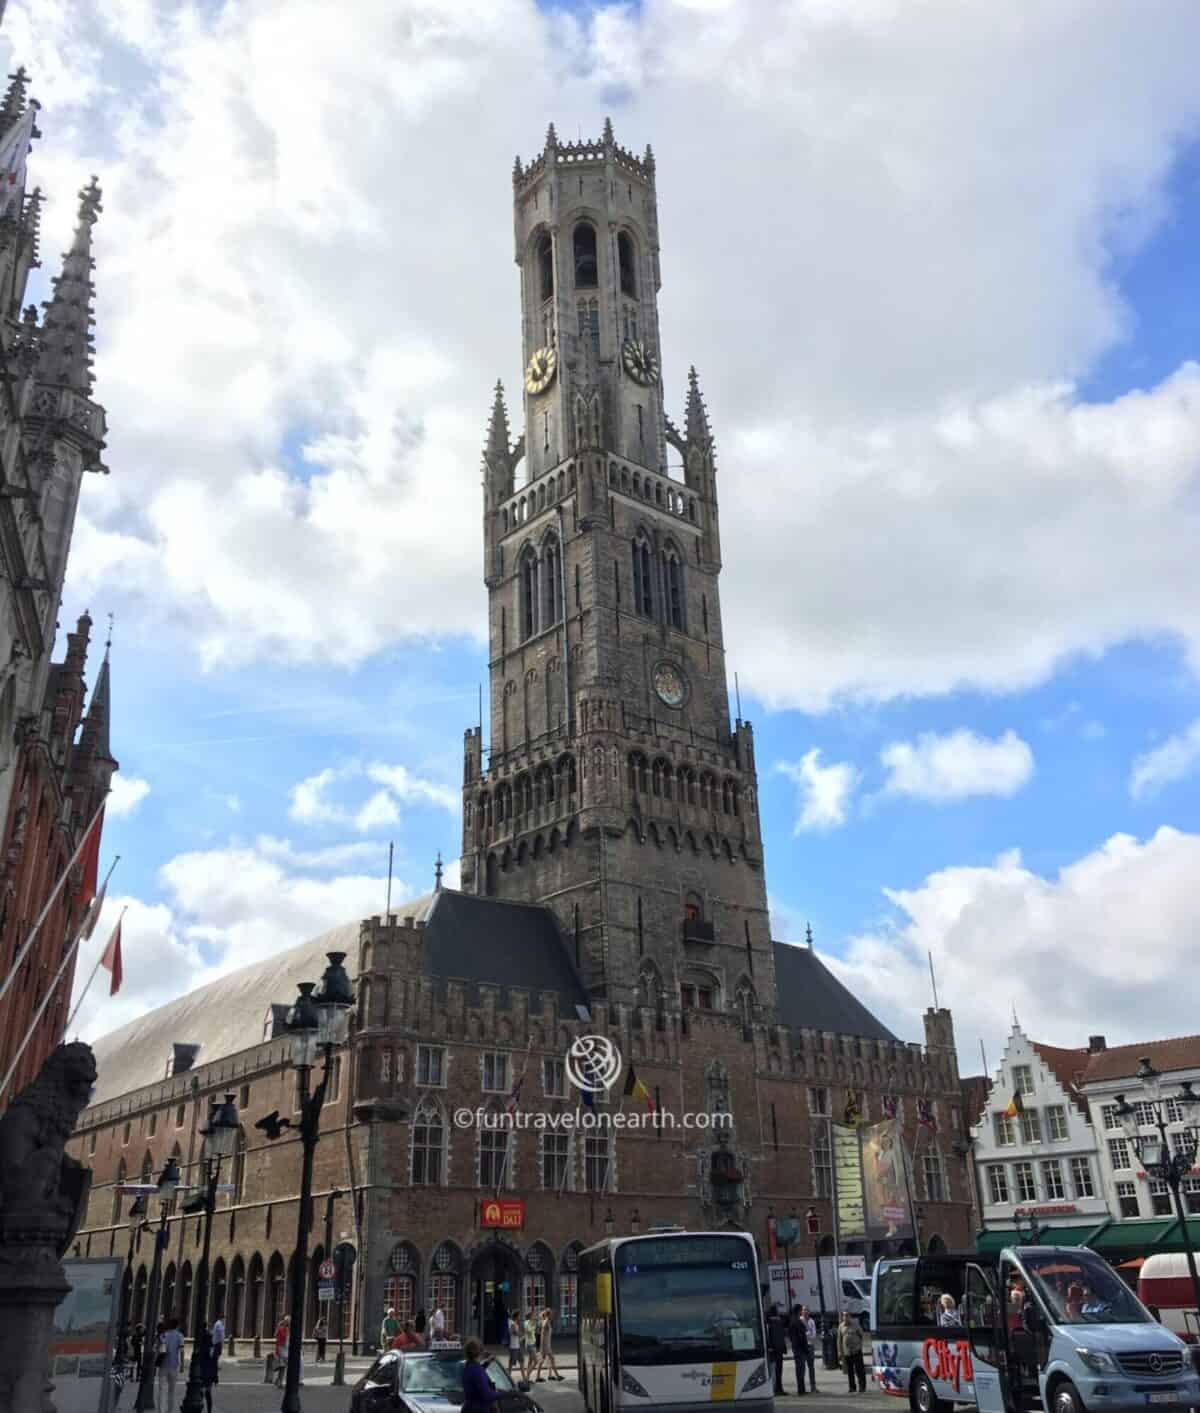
(53, 987)
(91, 978)
(41, 917)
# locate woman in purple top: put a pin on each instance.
(478, 1391)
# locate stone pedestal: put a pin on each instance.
(31, 1286)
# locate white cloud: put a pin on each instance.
(956, 766)
(1098, 947)
(311, 802)
(127, 793)
(1177, 757)
(824, 791)
(947, 254)
(406, 786)
(224, 908)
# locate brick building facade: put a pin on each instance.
(612, 884)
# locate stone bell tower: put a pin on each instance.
(616, 789)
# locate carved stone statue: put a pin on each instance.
(43, 1195)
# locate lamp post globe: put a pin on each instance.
(334, 1001)
(303, 1027)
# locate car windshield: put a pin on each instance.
(1082, 1289)
(440, 1374)
(688, 1313)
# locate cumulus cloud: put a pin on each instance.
(956, 765)
(127, 793)
(1177, 757)
(823, 791)
(225, 908)
(1098, 946)
(914, 305)
(312, 802)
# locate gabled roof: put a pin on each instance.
(1066, 1066)
(1121, 1061)
(811, 997)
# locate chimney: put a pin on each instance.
(1096, 1044)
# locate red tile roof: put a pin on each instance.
(1067, 1067)
(1121, 1061)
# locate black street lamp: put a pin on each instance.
(168, 1185)
(318, 1024)
(219, 1141)
(1154, 1150)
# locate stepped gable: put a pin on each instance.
(1066, 1065)
(812, 998)
(485, 940)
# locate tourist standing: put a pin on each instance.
(321, 1335)
(168, 1370)
(850, 1352)
(798, 1335)
(811, 1356)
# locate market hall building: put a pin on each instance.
(613, 883)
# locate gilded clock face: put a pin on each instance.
(640, 363)
(539, 371)
(670, 684)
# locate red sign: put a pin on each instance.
(814, 1223)
(327, 1271)
(502, 1212)
(1058, 1209)
(946, 1363)
(772, 1247)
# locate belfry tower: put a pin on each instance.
(616, 789)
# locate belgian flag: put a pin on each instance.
(633, 1085)
(1016, 1105)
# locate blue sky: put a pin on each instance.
(941, 291)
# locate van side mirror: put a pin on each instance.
(524, 1386)
(1155, 1312)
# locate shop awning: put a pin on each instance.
(1135, 1237)
(1072, 1236)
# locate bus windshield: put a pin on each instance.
(1082, 1289)
(687, 1302)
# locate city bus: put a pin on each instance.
(1050, 1327)
(672, 1319)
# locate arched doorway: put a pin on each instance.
(184, 1308)
(445, 1280)
(536, 1289)
(139, 1298)
(252, 1327)
(402, 1281)
(237, 1302)
(276, 1291)
(216, 1297)
(168, 1296)
(497, 1272)
(312, 1288)
(568, 1287)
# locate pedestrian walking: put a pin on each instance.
(479, 1393)
(516, 1344)
(545, 1344)
(137, 1342)
(321, 1335)
(776, 1346)
(438, 1323)
(798, 1335)
(389, 1329)
(811, 1355)
(206, 1365)
(850, 1352)
(168, 1371)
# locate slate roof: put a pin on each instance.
(506, 944)
(811, 997)
(1121, 1061)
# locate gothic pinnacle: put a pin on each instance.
(697, 427)
(14, 99)
(66, 357)
(608, 132)
(498, 443)
(551, 136)
(648, 160)
(517, 172)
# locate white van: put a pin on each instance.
(1048, 1325)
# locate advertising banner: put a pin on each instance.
(885, 1188)
(848, 1183)
(502, 1212)
(84, 1333)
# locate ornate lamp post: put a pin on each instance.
(168, 1185)
(1154, 1150)
(318, 1024)
(219, 1141)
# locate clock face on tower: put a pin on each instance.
(670, 684)
(539, 371)
(640, 363)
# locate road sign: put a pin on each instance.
(325, 1291)
(787, 1231)
(327, 1270)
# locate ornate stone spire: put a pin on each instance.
(551, 136)
(609, 139)
(648, 159)
(95, 735)
(698, 432)
(14, 99)
(67, 328)
(498, 441)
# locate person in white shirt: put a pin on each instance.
(171, 1345)
(438, 1323)
(811, 1355)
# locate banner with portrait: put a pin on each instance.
(848, 1183)
(885, 1186)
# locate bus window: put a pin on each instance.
(937, 1280)
(895, 1295)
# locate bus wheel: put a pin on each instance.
(1066, 1399)
(923, 1399)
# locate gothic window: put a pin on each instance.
(545, 262)
(528, 578)
(745, 1003)
(691, 787)
(649, 989)
(587, 268)
(643, 579)
(556, 1160)
(627, 264)
(428, 1146)
(495, 1162)
(639, 772)
(551, 582)
(726, 797)
(822, 1160)
(657, 778)
(597, 1159)
(673, 574)
(716, 1089)
(118, 1199)
(589, 324)
(699, 992)
(239, 1167)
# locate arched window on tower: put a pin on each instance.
(551, 583)
(643, 579)
(587, 268)
(528, 580)
(626, 260)
(589, 324)
(545, 264)
(673, 576)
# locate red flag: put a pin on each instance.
(89, 858)
(112, 959)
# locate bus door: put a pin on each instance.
(981, 1317)
(1026, 1332)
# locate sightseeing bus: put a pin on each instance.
(672, 1319)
